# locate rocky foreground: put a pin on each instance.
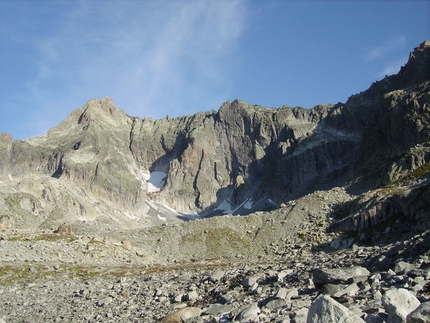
(308, 276)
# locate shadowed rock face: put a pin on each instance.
(239, 159)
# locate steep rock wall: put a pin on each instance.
(241, 154)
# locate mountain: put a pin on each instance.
(102, 165)
(109, 217)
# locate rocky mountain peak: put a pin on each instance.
(417, 68)
(99, 211)
(102, 110)
(96, 114)
(242, 158)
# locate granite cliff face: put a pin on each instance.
(100, 163)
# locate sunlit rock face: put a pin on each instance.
(100, 163)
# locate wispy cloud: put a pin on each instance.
(382, 50)
(153, 58)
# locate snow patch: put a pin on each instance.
(226, 207)
(132, 217)
(272, 202)
(154, 181)
(191, 216)
(248, 204)
(10, 177)
(160, 217)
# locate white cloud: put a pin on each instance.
(386, 47)
(152, 57)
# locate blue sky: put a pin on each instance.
(158, 58)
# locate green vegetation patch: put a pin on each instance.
(20, 274)
(51, 237)
(417, 173)
(13, 200)
(217, 241)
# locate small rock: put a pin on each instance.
(250, 312)
(177, 299)
(191, 296)
(281, 293)
(291, 293)
(331, 289)
(341, 243)
(217, 275)
(403, 267)
(215, 309)
(65, 228)
(350, 290)
(381, 263)
(373, 318)
(300, 316)
(275, 303)
(126, 244)
(182, 315)
(282, 274)
(105, 301)
(250, 281)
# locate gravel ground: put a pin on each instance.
(259, 268)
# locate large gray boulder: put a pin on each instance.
(327, 310)
(398, 303)
(420, 315)
(250, 312)
(353, 274)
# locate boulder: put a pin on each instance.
(398, 303)
(327, 310)
(403, 267)
(325, 276)
(216, 309)
(249, 312)
(287, 294)
(217, 275)
(300, 316)
(340, 289)
(65, 228)
(275, 303)
(182, 315)
(249, 281)
(191, 296)
(341, 243)
(420, 315)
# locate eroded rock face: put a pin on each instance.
(412, 203)
(5, 151)
(239, 159)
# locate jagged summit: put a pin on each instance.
(239, 159)
(417, 68)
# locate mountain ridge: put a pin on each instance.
(109, 217)
(242, 158)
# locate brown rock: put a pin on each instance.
(65, 228)
(126, 244)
